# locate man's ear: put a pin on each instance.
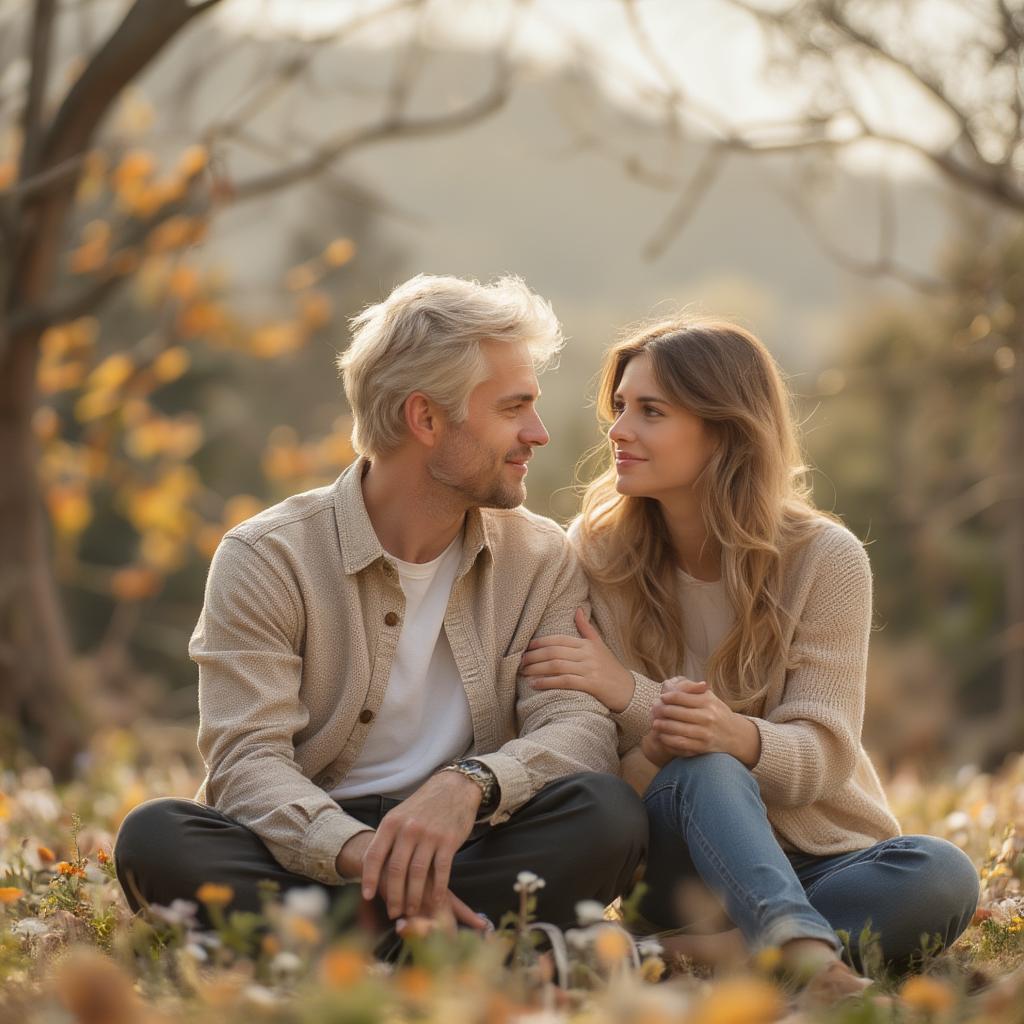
(424, 419)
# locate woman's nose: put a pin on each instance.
(620, 430)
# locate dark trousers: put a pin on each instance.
(584, 834)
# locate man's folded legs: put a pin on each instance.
(584, 834)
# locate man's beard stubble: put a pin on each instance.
(468, 468)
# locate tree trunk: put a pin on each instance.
(36, 686)
(35, 683)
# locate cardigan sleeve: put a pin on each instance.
(810, 741)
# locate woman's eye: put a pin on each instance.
(649, 410)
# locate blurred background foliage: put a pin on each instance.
(177, 275)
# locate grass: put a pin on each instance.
(71, 951)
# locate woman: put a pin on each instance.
(744, 615)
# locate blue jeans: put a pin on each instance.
(708, 823)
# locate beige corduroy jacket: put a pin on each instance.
(820, 789)
(300, 622)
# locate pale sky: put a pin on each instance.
(706, 49)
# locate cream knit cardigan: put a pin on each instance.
(819, 786)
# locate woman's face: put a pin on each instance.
(659, 447)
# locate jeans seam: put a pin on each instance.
(875, 854)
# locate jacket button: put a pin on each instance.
(391, 619)
(366, 716)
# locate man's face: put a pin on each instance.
(484, 458)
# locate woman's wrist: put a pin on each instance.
(745, 740)
(620, 692)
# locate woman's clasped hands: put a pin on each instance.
(688, 719)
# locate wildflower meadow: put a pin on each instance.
(71, 950)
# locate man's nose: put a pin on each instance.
(534, 433)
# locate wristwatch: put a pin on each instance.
(490, 791)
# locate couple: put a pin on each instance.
(410, 684)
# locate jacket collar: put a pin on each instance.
(359, 544)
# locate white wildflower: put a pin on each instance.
(261, 996)
(180, 912)
(286, 962)
(31, 926)
(194, 950)
(589, 912)
(310, 902)
(528, 882)
(956, 821)
(649, 947)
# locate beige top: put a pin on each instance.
(820, 789)
(707, 618)
(295, 646)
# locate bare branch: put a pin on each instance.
(146, 29)
(882, 266)
(39, 63)
(39, 184)
(688, 202)
(388, 128)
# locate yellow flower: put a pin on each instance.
(171, 364)
(214, 895)
(739, 1001)
(340, 251)
(928, 995)
(70, 508)
(193, 160)
(342, 968)
(10, 894)
(305, 275)
(768, 959)
(414, 982)
(302, 930)
(134, 583)
(611, 946)
(652, 969)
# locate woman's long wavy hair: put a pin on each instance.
(754, 499)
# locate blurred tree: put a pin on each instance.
(908, 437)
(934, 82)
(83, 217)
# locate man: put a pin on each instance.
(362, 717)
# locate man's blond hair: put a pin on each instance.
(426, 336)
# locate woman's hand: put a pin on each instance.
(688, 719)
(655, 751)
(581, 663)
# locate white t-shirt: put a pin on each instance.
(424, 719)
(707, 617)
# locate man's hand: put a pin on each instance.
(409, 859)
(688, 719)
(581, 663)
(349, 863)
